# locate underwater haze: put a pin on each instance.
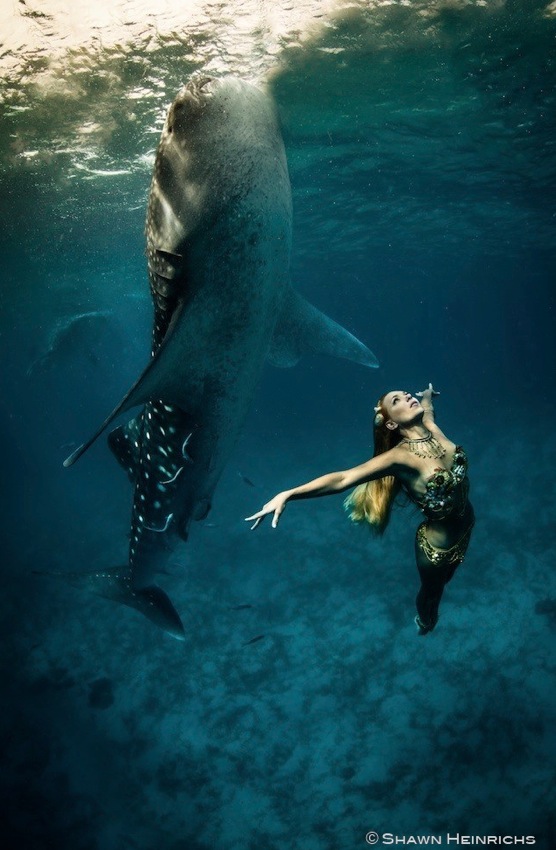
(303, 710)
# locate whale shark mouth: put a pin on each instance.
(199, 83)
(190, 101)
(199, 88)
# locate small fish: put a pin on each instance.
(68, 445)
(247, 480)
(253, 640)
(241, 607)
(210, 525)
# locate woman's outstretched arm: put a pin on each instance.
(325, 485)
(427, 405)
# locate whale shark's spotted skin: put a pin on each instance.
(153, 449)
(218, 249)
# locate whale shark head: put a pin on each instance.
(217, 132)
(207, 108)
(189, 105)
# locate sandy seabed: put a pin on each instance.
(337, 720)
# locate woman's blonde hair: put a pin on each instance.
(372, 502)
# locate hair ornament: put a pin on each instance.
(379, 416)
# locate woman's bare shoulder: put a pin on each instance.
(405, 465)
(401, 460)
(400, 455)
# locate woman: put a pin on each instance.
(413, 454)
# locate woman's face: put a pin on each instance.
(401, 407)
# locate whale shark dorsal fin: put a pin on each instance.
(302, 329)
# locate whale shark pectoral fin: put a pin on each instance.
(159, 380)
(116, 584)
(301, 329)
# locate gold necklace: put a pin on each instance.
(425, 447)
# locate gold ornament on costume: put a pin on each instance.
(424, 447)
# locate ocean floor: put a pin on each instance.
(303, 710)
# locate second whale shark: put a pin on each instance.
(218, 233)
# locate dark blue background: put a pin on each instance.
(422, 159)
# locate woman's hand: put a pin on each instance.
(428, 393)
(275, 506)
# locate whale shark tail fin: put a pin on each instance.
(116, 584)
(302, 329)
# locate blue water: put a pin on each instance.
(423, 166)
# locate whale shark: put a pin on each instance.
(218, 236)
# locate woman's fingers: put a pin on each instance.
(269, 508)
(430, 390)
(258, 515)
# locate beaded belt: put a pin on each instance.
(443, 557)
